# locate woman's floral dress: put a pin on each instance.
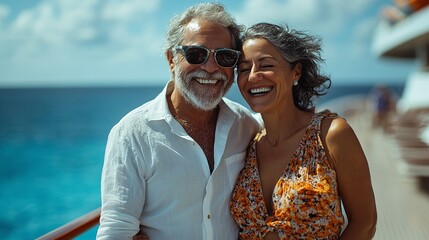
(305, 200)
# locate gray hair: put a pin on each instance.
(296, 47)
(213, 12)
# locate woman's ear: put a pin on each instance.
(297, 72)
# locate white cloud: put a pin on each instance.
(71, 22)
(4, 12)
(68, 38)
(120, 10)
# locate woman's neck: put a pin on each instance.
(282, 124)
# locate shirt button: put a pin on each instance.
(208, 216)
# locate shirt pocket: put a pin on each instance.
(234, 164)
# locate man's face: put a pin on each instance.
(203, 85)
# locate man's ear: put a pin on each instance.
(169, 56)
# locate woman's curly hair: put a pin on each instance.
(296, 47)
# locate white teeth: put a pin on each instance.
(207, 81)
(260, 90)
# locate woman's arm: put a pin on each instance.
(354, 181)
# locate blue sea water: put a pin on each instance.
(52, 145)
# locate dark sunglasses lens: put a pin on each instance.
(196, 55)
(226, 58)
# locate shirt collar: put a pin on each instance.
(159, 109)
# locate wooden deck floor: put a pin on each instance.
(402, 206)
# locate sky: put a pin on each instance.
(57, 43)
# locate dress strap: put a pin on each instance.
(318, 117)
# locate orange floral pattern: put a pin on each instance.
(306, 203)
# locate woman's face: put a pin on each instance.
(265, 78)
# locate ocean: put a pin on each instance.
(52, 146)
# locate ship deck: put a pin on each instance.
(402, 199)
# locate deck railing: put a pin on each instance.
(74, 228)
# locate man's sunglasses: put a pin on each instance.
(224, 57)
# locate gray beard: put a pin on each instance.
(204, 99)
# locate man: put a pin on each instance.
(171, 164)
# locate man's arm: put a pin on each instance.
(122, 189)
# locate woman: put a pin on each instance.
(303, 164)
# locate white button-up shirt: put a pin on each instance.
(156, 175)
